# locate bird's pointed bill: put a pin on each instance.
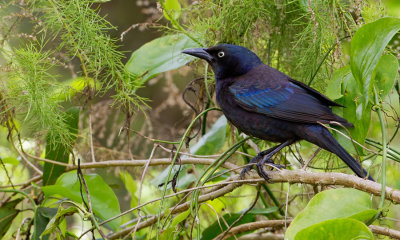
(198, 52)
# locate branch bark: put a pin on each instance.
(298, 176)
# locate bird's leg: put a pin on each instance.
(255, 159)
(267, 158)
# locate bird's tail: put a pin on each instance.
(324, 139)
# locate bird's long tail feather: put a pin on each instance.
(324, 139)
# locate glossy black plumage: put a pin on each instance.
(264, 102)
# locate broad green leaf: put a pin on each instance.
(172, 8)
(58, 218)
(7, 214)
(213, 140)
(43, 216)
(332, 204)
(60, 152)
(367, 46)
(68, 89)
(104, 202)
(215, 229)
(336, 84)
(352, 110)
(131, 186)
(341, 228)
(159, 55)
(385, 74)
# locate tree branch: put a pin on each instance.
(298, 176)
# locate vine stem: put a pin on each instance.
(174, 160)
(384, 151)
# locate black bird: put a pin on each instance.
(265, 103)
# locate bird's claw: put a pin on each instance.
(244, 171)
(262, 173)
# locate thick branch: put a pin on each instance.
(283, 176)
(385, 231)
(247, 227)
(333, 178)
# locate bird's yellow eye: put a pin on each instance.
(221, 54)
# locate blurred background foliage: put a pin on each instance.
(104, 80)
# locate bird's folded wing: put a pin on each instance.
(286, 101)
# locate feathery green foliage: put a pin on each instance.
(75, 30)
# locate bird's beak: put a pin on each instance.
(199, 52)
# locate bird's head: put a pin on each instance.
(227, 60)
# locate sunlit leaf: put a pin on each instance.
(341, 228)
(172, 9)
(367, 46)
(10, 160)
(332, 204)
(104, 202)
(69, 89)
(60, 151)
(160, 55)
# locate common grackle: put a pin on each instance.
(265, 103)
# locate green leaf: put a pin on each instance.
(7, 214)
(367, 46)
(60, 151)
(58, 218)
(341, 228)
(336, 86)
(68, 89)
(263, 211)
(42, 218)
(332, 204)
(160, 55)
(215, 229)
(104, 202)
(10, 160)
(131, 186)
(179, 218)
(213, 140)
(352, 111)
(385, 74)
(172, 8)
(170, 231)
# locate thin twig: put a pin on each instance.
(91, 135)
(89, 206)
(140, 189)
(311, 158)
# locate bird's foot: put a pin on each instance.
(248, 167)
(268, 162)
(262, 172)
